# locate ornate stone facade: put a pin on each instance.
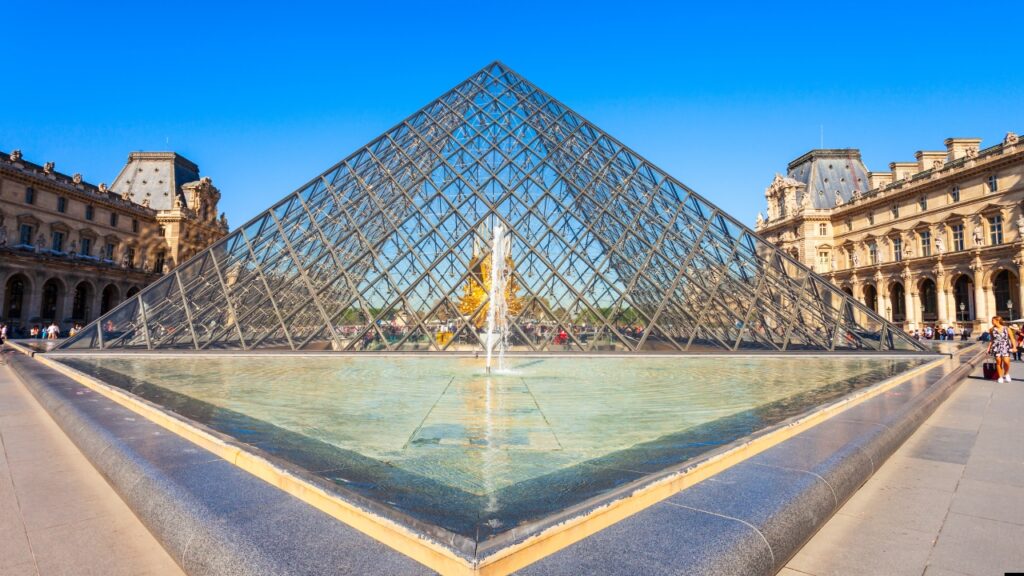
(938, 241)
(70, 251)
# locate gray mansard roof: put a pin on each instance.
(157, 176)
(828, 173)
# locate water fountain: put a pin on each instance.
(497, 302)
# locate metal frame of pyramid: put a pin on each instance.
(380, 252)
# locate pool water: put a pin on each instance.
(443, 443)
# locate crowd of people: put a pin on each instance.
(935, 332)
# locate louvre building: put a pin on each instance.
(389, 250)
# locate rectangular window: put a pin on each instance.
(108, 253)
(57, 244)
(922, 203)
(129, 257)
(954, 195)
(135, 226)
(995, 229)
(993, 183)
(926, 242)
(873, 253)
(958, 237)
(871, 218)
(30, 195)
(161, 257)
(113, 219)
(897, 249)
(822, 229)
(88, 211)
(62, 204)
(86, 246)
(849, 225)
(824, 261)
(162, 231)
(895, 210)
(25, 235)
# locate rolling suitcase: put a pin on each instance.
(988, 369)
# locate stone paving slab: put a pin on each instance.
(57, 514)
(949, 502)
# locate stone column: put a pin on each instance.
(940, 296)
(909, 292)
(980, 300)
(952, 312)
(911, 305)
(97, 300)
(881, 296)
(64, 308)
(1018, 307)
(34, 301)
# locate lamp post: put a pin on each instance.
(888, 313)
(963, 316)
(1009, 307)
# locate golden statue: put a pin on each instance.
(478, 286)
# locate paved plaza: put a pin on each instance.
(58, 516)
(949, 502)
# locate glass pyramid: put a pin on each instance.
(389, 250)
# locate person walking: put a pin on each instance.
(1001, 344)
(1019, 341)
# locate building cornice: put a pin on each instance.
(33, 175)
(987, 160)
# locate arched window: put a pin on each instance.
(929, 300)
(81, 309)
(897, 299)
(49, 307)
(14, 298)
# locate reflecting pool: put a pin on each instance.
(440, 441)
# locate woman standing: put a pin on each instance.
(1000, 345)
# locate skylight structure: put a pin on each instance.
(389, 250)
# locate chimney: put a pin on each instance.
(956, 148)
(902, 170)
(929, 160)
(879, 179)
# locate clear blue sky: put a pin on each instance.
(264, 96)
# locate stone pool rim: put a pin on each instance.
(575, 523)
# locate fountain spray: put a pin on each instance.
(497, 305)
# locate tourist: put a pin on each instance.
(950, 333)
(3, 332)
(54, 331)
(1019, 336)
(1001, 344)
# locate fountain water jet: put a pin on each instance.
(497, 301)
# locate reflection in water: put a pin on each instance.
(442, 419)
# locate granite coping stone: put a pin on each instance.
(211, 516)
(215, 518)
(783, 494)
